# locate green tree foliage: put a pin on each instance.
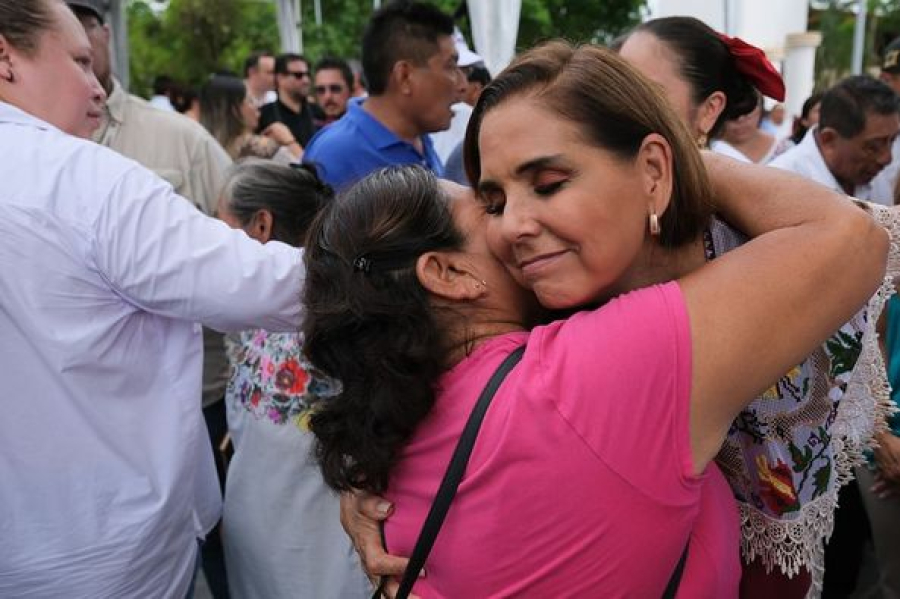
(836, 20)
(341, 29)
(188, 39)
(576, 20)
(192, 38)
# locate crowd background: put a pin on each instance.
(242, 101)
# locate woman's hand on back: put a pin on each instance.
(361, 517)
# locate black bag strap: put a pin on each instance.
(453, 475)
(675, 580)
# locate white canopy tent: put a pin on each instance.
(495, 27)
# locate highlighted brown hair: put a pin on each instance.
(615, 107)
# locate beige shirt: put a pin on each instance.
(173, 146)
(183, 153)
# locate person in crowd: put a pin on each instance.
(859, 119)
(180, 151)
(162, 92)
(333, 85)
(773, 120)
(360, 87)
(259, 77)
(879, 479)
(410, 65)
(448, 140)
(809, 117)
(230, 115)
(282, 532)
(175, 148)
(708, 77)
(477, 78)
(707, 62)
(599, 152)
(885, 184)
(104, 274)
(187, 157)
(744, 140)
(292, 83)
(188, 103)
(675, 59)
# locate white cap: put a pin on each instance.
(467, 58)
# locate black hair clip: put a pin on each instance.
(362, 264)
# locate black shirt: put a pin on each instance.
(301, 124)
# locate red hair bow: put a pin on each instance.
(752, 63)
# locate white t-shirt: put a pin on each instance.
(805, 159)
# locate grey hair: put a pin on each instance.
(23, 21)
(292, 194)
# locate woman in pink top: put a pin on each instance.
(590, 473)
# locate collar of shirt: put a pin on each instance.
(115, 103)
(810, 148)
(113, 116)
(380, 136)
(15, 115)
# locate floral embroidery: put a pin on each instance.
(272, 379)
(782, 456)
(777, 487)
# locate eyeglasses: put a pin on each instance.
(334, 88)
(297, 74)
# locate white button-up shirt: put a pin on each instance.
(884, 182)
(806, 159)
(106, 473)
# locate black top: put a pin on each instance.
(301, 124)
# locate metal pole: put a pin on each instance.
(120, 42)
(725, 19)
(376, 4)
(298, 7)
(859, 38)
(317, 4)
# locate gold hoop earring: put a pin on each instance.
(654, 224)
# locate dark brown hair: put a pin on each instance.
(705, 63)
(369, 322)
(616, 108)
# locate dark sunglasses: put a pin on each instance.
(297, 74)
(333, 88)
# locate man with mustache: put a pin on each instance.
(332, 86)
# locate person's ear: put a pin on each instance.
(828, 137)
(260, 227)
(654, 164)
(708, 112)
(401, 74)
(6, 67)
(448, 275)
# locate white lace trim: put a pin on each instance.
(800, 542)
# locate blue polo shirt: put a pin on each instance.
(357, 144)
